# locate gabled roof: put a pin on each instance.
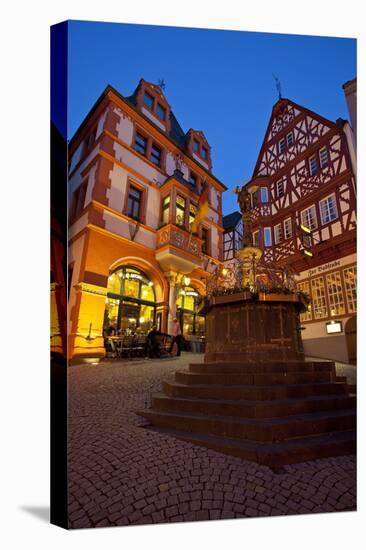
(230, 221)
(282, 103)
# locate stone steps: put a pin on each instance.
(269, 429)
(264, 392)
(251, 408)
(230, 378)
(262, 367)
(274, 454)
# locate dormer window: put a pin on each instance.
(161, 111)
(149, 101)
(204, 153)
(196, 146)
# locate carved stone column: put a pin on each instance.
(173, 290)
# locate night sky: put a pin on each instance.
(220, 82)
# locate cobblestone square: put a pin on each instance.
(123, 474)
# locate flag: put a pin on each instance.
(202, 209)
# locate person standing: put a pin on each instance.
(177, 337)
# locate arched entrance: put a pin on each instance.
(351, 339)
(188, 302)
(130, 304)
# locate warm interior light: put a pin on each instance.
(308, 253)
(150, 283)
(142, 320)
(186, 280)
(224, 272)
(305, 229)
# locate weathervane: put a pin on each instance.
(161, 83)
(278, 86)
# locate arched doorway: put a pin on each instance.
(188, 302)
(351, 339)
(130, 303)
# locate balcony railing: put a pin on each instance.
(180, 238)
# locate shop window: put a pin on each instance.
(350, 283)
(320, 308)
(134, 202)
(335, 294)
(180, 211)
(187, 305)
(304, 286)
(130, 303)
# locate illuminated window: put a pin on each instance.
(323, 157)
(308, 218)
(278, 234)
(280, 188)
(304, 286)
(328, 209)
(313, 165)
(130, 303)
(350, 282)
(180, 211)
(140, 144)
(267, 236)
(134, 203)
(192, 214)
(187, 305)
(320, 308)
(287, 224)
(335, 294)
(165, 210)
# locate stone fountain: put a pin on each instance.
(255, 396)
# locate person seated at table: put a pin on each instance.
(152, 346)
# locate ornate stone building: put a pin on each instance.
(303, 194)
(135, 179)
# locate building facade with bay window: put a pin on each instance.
(303, 194)
(135, 179)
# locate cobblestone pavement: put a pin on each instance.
(123, 474)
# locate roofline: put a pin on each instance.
(109, 88)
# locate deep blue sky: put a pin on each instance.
(219, 82)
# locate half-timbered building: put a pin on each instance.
(233, 234)
(135, 179)
(305, 177)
